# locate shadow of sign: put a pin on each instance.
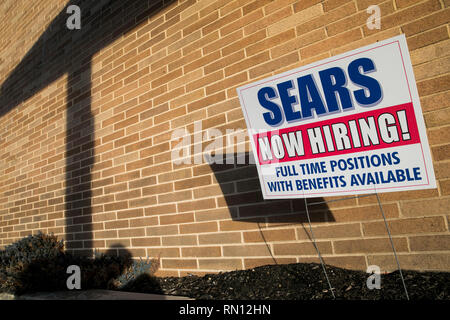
(239, 182)
(241, 188)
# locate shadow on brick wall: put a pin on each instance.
(241, 188)
(58, 52)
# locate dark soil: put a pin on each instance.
(304, 281)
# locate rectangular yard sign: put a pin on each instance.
(350, 124)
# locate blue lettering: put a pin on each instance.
(274, 117)
(354, 71)
(279, 100)
(287, 101)
(309, 97)
(330, 89)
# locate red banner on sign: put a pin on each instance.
(377, 129)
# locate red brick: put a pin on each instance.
(108, 120)
(179, 263)
(303, 248)
(201, 252)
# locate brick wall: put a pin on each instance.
(87, 116)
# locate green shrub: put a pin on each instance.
(102, 272)
(36, 261)
(39, 263)
(136, 269)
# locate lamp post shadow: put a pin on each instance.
(58, 52)
(80, 155)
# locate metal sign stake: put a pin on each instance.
(317, 249)
(392, 244)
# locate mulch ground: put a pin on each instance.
(299, 281)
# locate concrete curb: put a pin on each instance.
(90, 295)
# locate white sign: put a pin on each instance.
(350, 124)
